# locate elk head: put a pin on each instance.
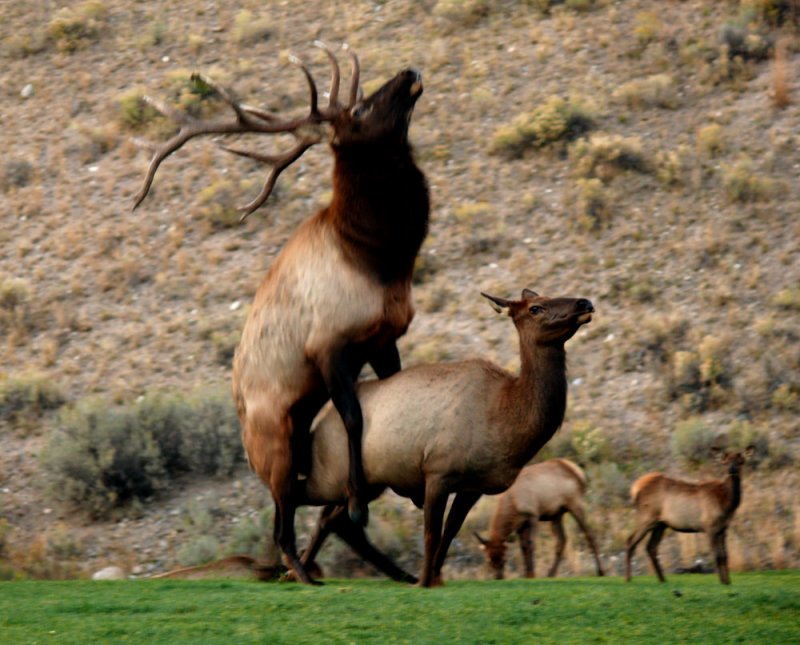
(734, 460)
(542, 320)
(495, 552)
(382, 117)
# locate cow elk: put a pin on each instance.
(662, 502)
(542, 492)
(466, 427)
(339, 293)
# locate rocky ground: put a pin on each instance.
(690, 254)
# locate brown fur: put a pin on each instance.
(663, 502)
(542, 492)
(339, 294)
(465, 428)
(234, 566)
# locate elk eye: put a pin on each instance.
(359, 110)
(536, 309)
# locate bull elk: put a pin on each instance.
(662, 502)
(542, 492)
(339, 293)
(466, 427)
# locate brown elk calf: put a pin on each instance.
(542, 492)
(339, 294)
(464, 428)
(707, 507)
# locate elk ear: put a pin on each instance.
(500, 305)
(480, 539)
(527, 293)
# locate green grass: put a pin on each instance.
(757, 608)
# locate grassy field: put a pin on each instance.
(757, 608)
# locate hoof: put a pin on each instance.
(359, 515)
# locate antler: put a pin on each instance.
(248, 120)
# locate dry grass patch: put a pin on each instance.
(557, 119)
(659, 90)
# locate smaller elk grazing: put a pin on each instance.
(466, 428)
(662, 502)
(542, 493)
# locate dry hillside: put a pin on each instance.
(645, 155)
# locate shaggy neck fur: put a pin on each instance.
(380, 207)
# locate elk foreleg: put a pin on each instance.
(355, 537)
(303, 413)
(527, 546)
(580, 518)
(652, 549)
(721, 555)
(337, 371)
(386, 361)
(321, 532)
(557, 527)
(461, 505)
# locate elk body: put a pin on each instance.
(466, 428)
(542, 492)
(662, 502)
(339, 294)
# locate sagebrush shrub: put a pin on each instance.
(605, 156)
(742, 183)
(692, 441)
(199, 551)
(588, 442)
(658, 90)
(608, 485)
(555, 120)
(73, 28)
(210, 443)
(27, 397)
(101, 456)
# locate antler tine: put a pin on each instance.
(354, 81)
(333, 93)
(281, 162)
(311, 85)
(223, 92)
(187, 131)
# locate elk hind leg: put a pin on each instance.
(283, 485)
(652, 549)
(637, 536)
(557, 526)
(433, 512)
(580, 518)
(526, 534)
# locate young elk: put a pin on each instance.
(541, 493)
(339, 294)
(662, 502)
(466, 428)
